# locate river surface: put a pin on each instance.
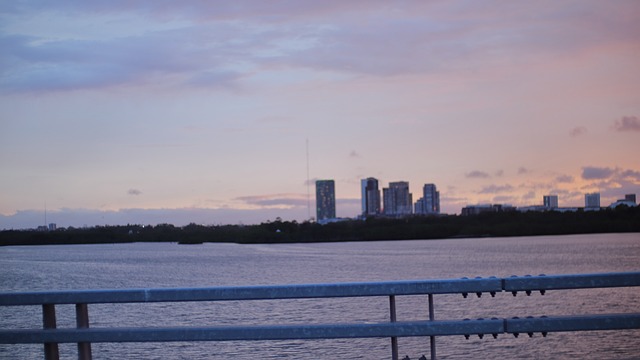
(156, 265)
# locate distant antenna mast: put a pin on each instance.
(45, 213)
(308, 184)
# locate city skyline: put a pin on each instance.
(216, 113)
(398, 203)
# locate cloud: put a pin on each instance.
(218, 43)
(522, 171)
(578, 131)
(198, 57)
(477, 174)
(493, 189)
(134, 192)
(564, 179)
(627, 123)
(212, 79)
(597, 173)
(630, 174)
(276, 200)
(354, 154)
(499, 173)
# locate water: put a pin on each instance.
(170, 265)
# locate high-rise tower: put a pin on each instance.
(397, 199)
(370, 197)
(431, 198)
(325, 200)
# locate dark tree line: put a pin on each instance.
(513, 223)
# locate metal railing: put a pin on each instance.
(84, 335)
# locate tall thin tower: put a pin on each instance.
(308, 185)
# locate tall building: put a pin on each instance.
(431, 199)
(325, 200)
(592, 200)
(429, 203)
(550, 201)
(370, 197)
(397, 199)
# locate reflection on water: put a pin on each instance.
(172, 265)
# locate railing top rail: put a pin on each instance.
(574, 281)
(302, 291)
(266, 292)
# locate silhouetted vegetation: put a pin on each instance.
(621, 219)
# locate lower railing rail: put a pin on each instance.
(84, 335)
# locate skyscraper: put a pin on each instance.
(325, 200)
(431, 199)
(397, 199)
(370, 197)
(592, 200)
(550, 201)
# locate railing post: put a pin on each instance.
(394, 340)
(432, 318)
(49, 322)
(82, 322)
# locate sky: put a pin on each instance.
(226, 112)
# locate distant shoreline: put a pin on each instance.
(501, 224)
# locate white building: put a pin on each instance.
(550, 201)
(592, 201)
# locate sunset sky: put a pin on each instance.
(146, 112)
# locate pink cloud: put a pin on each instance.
(578, 131)
(276, 200)
(564, 179)
(493, 189)
(594, 173)
(347, 37)
(627, 123)
(478, 174)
